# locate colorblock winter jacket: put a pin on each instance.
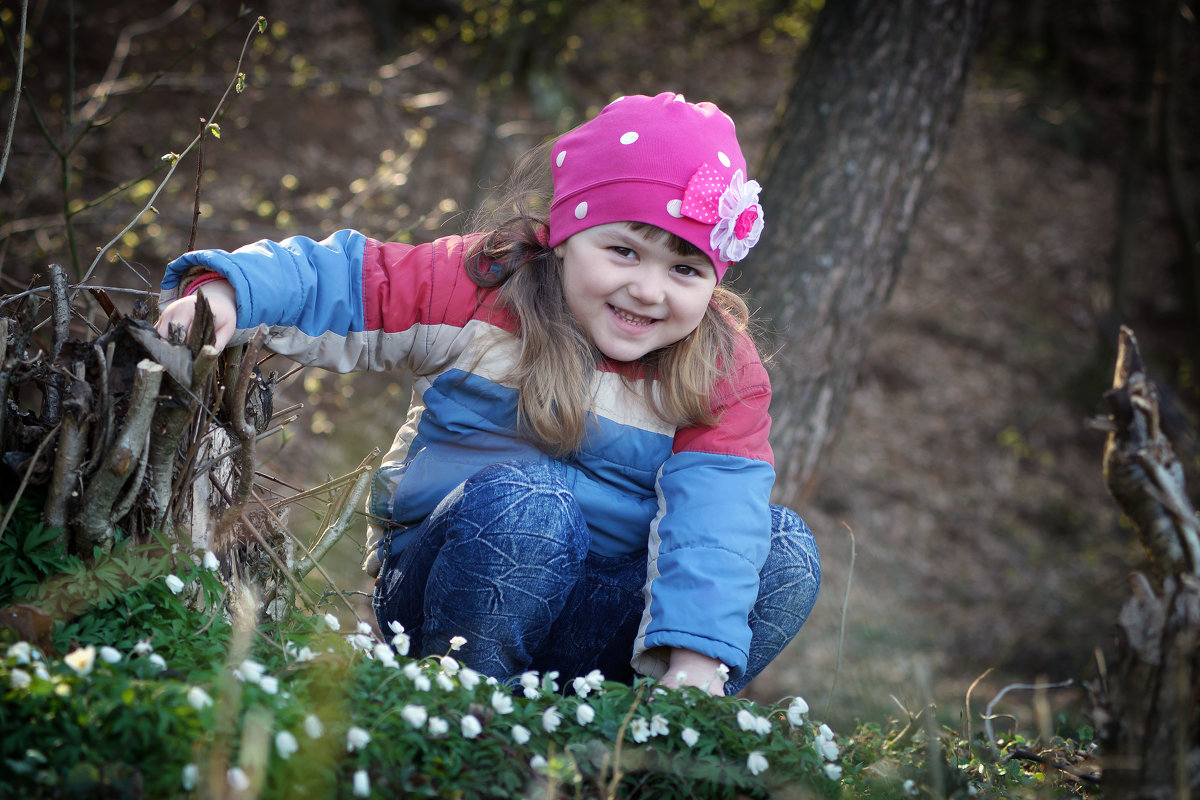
(696, 499)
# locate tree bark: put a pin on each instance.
(861, 133)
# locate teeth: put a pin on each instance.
(631, 318)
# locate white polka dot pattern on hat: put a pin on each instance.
(673, 208)
(629, 138)
(724, 159)
(581, 210)
(562, 154)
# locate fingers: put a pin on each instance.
(221, 301)
(179, 312)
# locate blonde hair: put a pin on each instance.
(556, 361)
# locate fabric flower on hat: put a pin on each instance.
(741, 220)
(731, 208)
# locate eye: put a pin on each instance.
(623, 252)
(688, 271)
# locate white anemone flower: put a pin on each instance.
(249, 671)
(502, 702)
(360, 641)
(471, 727)
(520, 734)
(414, 715)
(19, 678)
(469, 678)
(198, 698)
(313, 727)
(529, 682)
(210, 560)
(365, 628)
(239, 781)
(356, 738)
(584, 714)
(438, 726)
(143, 647)
(444, 681)
(362, 783)
(384, 655)
(157, 660)
(81, 660)
(551, 719)
(286, 744)
(833, 772)
(457, 642)
(539, 763)
(20, 652)
(796, 711)
(174, 584)
(690, 736)
(756, 762)
(189, 777)
(659, 725)
(332, 622)
(269, 684)
(109, 655)
(639, 730)
(449, 665)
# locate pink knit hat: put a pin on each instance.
(662, 161)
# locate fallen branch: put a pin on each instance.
(94, 522)
(347, 504)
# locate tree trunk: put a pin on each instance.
(862, 131)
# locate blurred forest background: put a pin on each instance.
(983, 538)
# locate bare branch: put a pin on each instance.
(347, 504)
(94, 521)
(12, 118)
(71, 443)
(988, 716)
(237, 79)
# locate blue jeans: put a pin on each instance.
(503, 561)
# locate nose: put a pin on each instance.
(648, 287)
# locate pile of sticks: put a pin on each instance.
(123, 432)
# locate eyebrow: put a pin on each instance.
(629, 236)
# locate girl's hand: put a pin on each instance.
(698, 670)
(221, 301)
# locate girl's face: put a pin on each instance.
(630, 292)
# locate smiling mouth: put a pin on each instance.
(632, 319)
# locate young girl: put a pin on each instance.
(583, 479)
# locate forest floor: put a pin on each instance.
(966, 478)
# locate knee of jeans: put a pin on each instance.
(527, 496)
(792, 540)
